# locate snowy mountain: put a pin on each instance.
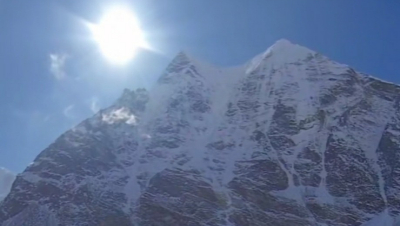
(6, 180)
(289, 138)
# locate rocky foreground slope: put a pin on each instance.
(289, 138)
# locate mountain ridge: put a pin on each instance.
(290, 138)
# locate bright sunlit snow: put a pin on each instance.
(118, 35)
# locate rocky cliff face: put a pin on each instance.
(290, 138)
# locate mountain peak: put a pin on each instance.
(182, 63)
(179, 62)
(283, 42)
(281, 52)
(182, 55)
(290, 50)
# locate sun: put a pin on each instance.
(118, 35)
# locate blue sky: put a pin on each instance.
(52, 74)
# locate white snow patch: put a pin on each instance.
(121, 114)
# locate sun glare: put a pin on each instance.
(118, 35)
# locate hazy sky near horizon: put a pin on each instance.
(52, 74)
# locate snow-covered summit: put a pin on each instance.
(280, 53)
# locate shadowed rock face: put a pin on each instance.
(291, 138)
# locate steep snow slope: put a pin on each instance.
(289, 138)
